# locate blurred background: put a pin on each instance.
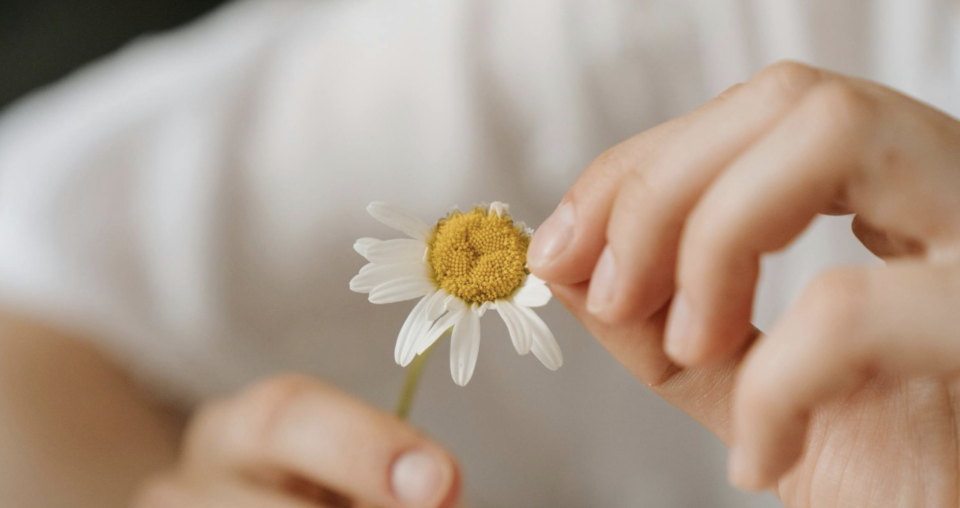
(543, 118)
(43, 40)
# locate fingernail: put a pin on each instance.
(552, 238)
(679, 336)
(419, 479)
(603, 283)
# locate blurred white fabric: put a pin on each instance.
(192, 201)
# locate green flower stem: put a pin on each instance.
(412, 381)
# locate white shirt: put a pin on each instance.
(191, 202)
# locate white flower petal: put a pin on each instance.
(400, 220)
(485, 307)
(533, 293)
(520, 335)
(398, 270)
(363, 283)
(545, 346)
(363, 244)
(414, 326)
(437, 307)
(438, 328)
(453, 303)
(373, 275)
(422, 327)
(400, 289)
(465, 347)
(398, 250)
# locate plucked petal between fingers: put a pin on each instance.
(439, 327)
(465, 347)
(520, 335)
(545, 346)
(400, 220)
(404, 351)
(373, 275)
(401, 289)
(398, 250)
(533, 293)
(363, 244)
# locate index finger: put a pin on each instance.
(630, 205)
(849, 141)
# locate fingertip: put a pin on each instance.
(552, 239)
(770, 426)
(688, 340)
(680, 336)
(620, 294)
(604, 286)
(710, 318)
(759, 463)
(455, 490)
(689, 344)
(743, 473)
(565, 247)
(740, 471)
(422, 477)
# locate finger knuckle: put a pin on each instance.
(730, 92)
(640, 207)
(638, 188)
(609, 166)
(842, 110)
(243, 427)
(786, 79)
(612, 163)
(266, 403)
(277, 391)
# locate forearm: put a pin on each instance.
(74, 430)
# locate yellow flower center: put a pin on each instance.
(478, 256)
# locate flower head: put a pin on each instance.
(461, 267)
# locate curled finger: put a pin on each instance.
(850, 326)
(294, 427)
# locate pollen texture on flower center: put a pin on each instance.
(478, 256)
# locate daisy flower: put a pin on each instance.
(466, 264)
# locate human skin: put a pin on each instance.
(849, 400)
(76, 431)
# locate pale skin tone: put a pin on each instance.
(850, 399)
(847, 402)
(76, 431)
